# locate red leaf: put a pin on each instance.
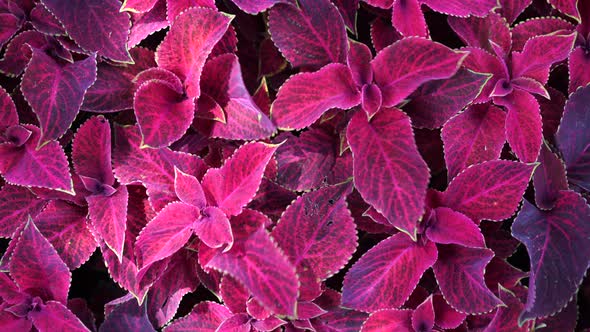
(463, 8)
(568, 7)
(388, 170)
(490, 190)
(387, 274)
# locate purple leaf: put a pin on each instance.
(348, 9)
(326, 234)
(188, 43)
(55, 92)
(8, 114)
(17, 55)
(163, 113)
(127, 315)
(54, 316)
(459, 272)
(205, 317)
(108, 215)
(481, 32)
(450, 227)
(310, 35)
(44, 21)
(304, 161)
(472, 137)
(257, 262)
(556, 242)
(510, 9)
(383, 34)
(462, 8)
(166, 233)
(490, 190)
(214, 228)
(359, 63)
(408, 19)
(444, 315)
(306, 96)
(389, 320)
(506, 318)
(257, 6)
(145, 24)
(16, 205)
(436, 102)
(568, 7)
(95, 25)
(423, 316)
(573, 138)
(234, 185)
(189, 189)
(523, 124)
(549, 179)
(34, 262)
(417, 61)
(388, 170)
(536, 26)
(387, 274)
(64, 226)
(91, 150)
(9, 26)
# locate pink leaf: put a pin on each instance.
(311, 34)
(34, 262)
(481, 61)
(490, 190)
(108, 215)
(459, 272)
(91, 150)
(510, 9)
(95, 25)
(145, 24)
(163, 113)
(450, 227)
(408, 19)
(389, 320)
(423, 316)
(55, 92)
(472, 137)
(205, 317)
(462, 8)
(257, 262)
(257, 6)
(417, 61)
(556, 243)
(188, 189)
(326, 235)
(306, 96)
(138, 6)
(214, 228)
(233, 185)
(54, 316)
(166, 233)
(359, 62)
(64, 226)
(188, 43)
(175, 7)
(387, 274)
(16, 205)
(388, 170)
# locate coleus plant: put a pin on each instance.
(294, 165)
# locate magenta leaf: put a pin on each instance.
(46, 167)
(188, 43)
(166, 233)
(510, 9)
(318, 251)
(91, 150)
(506, 318)
(579, 74)
(573, 138)
(565, 320)
(138, 6)
(257, 262)
(108, 215)
(423, 316)
(305, 97)
(472, 137)
(459, 271)
(490, 190)
(257, 6)
(145, 24)
(462, 8)
(55, 91)
(205, 317)
(568, 7)
(234, 185)
(64, 226)
(214, 228)
(444, 315)
(34, 262)
(389, 320)
(311, 34)
(304, 161)
(537, 26)
(523, 124)
(388, 170)
(95, 25)
(549, 179)
(417, 61)
(16, 205)
(450, 227)
(126, 315)
(189, 189)
(163, 113)
(480, 33)
(8, 114)
(9, 26)
(383, 34)
(55, 316)
(408, 19)
(17, 54)
(556, 243)
(175, 7)
(387, 274)
(348, 10)
(436, 102)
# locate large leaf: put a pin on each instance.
(317, 234)
(387, 274)
(55, 316)
(16, 205)
(91, 150)
(233, 185)
(389, 320)
(436, 102)
(108, 215)
(388, 169)
(95, 25)
(205, 317)
(214, 228)
(459, 271)
(573, 137)
(257, 262)
(55, 92)
(188, 44)
(306, 96)
(127, 315)
(490, 190)
(34, 262)
(311, 34)
(472, 137)
(64, 226)
(163, 114)
(402, 67)
(557, 243)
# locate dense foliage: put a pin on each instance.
(294, 165)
